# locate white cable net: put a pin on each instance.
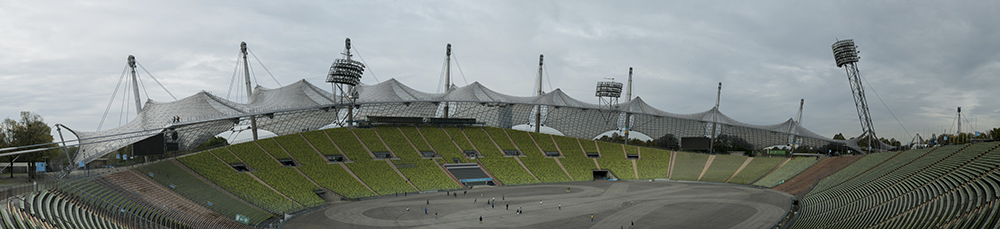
(303, 107)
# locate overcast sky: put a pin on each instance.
(62, 60)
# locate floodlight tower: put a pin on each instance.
(345, 74)
(846, 55)
(959, 122)
(607, 95)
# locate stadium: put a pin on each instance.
(375, 156)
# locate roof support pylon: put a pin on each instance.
(447, 77)
(715, 119)
(135, 84)
(628, 97)
(538, 113)
(246, 74)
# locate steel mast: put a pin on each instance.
(538, 114)
(135, 84)
(447, 77)
(715, 120)
(246, 76)
(846, 55)
(628, 98)
(344, 75)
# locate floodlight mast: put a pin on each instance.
(607, 94)
(538, 113)
(846, 55)
(246, 74)
(344, 74)
(135, 84)
(959, 134)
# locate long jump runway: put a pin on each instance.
(614, 205)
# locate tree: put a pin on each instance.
(29, 130)
(620, 139)
(668, 141)
(212, 143)
(839, 136)
(725, 143)
(891, 142)
(995, 134)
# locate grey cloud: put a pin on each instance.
(923, 58)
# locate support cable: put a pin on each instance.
(366, 62)
(460, 68)
(441, 78)
(122, 114)
(886, 106)
(548, 78)
(253, 79)
(970, 124)
(157, 82)
(143, 85)
(265, 67)
(232, 81)
(953, 121)
(113, 95)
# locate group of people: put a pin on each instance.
(492, 203)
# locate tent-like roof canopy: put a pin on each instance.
(302, 106)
